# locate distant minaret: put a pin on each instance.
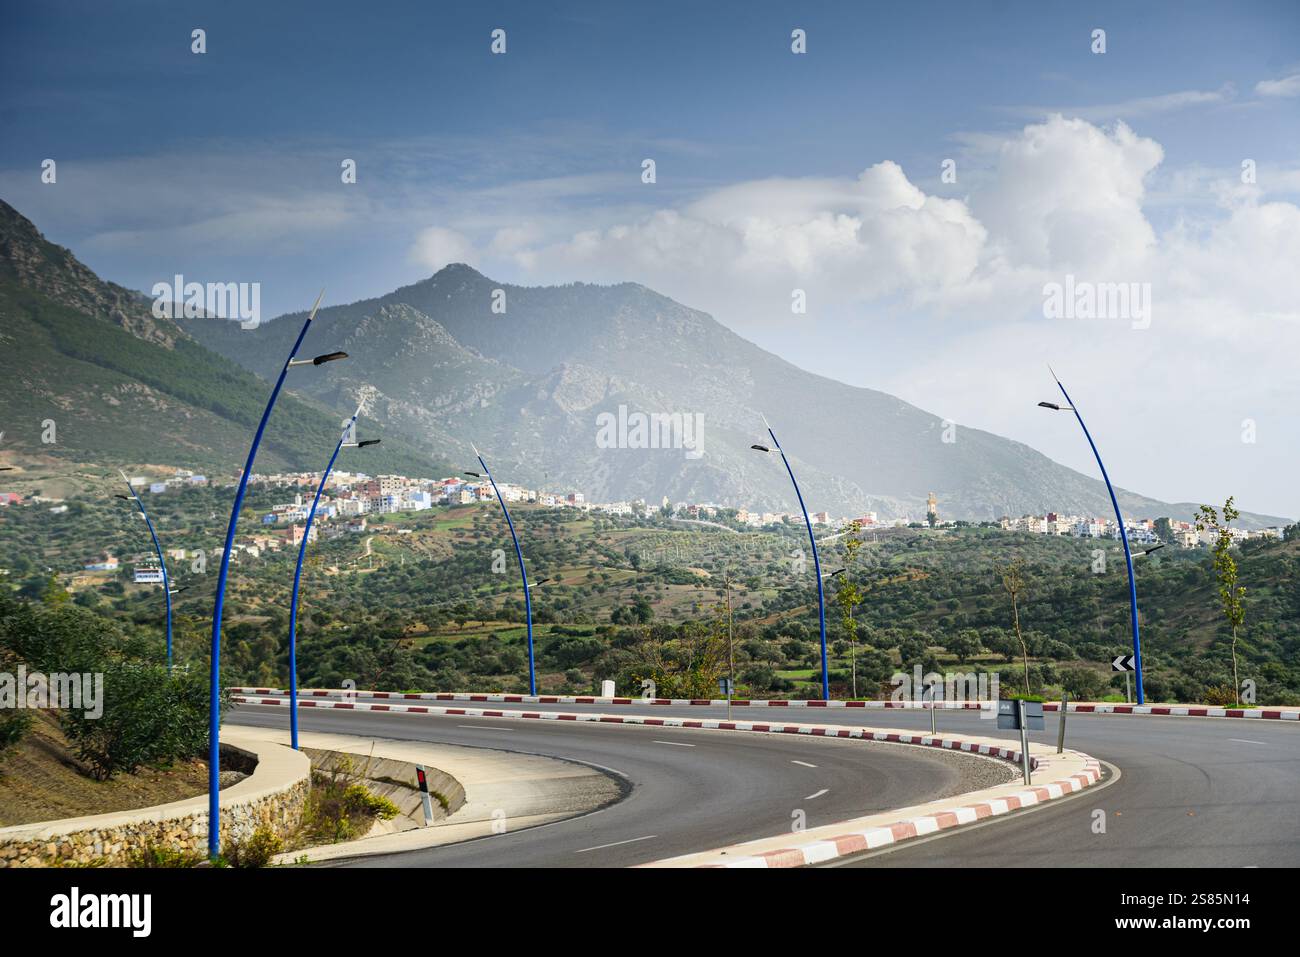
(932, 510)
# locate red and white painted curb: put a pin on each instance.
(868, 838)
(816, 731)
(575, 699)
(1073, 707)
(1178, 710)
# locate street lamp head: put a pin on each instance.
(125, 498)
(368, 442)
(474, 475)
(1153, 549)
(760, 448)
(319, 360)
(1049, 405)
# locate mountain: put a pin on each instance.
(528, 385)
(123, 387)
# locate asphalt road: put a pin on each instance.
(690, 790)
(1193, 792)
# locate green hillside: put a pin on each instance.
(121, 387)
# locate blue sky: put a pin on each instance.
(226, 166)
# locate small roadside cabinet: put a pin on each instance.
(1009, 716)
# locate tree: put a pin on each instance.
(965, 644)
(1083, 684)
(681, 662)
(1165, 530)
(1012, 575)
(1225, 567)
(848, 597)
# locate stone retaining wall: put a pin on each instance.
(273, 796)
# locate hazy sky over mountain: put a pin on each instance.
(775, 172)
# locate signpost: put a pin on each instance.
(1125, 664)
(1026, 716)
(725, 686)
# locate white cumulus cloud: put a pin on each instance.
(437, 246)
(1284, 86)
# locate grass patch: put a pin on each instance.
(41, 780)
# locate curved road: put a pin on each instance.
(1193, 792)
(690, 789)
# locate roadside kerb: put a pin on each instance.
(1074, 707)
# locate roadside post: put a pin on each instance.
(725, 686)
(931, 688)
(1060, 728)
(1024, 738)
(424, 794)
(1125, 664)
(1026, 716)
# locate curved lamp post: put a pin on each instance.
(214, 682)
(817, 565)
(528, 602)
(1123, 533)
(162, 562)
(297, 572)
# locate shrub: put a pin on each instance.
(150, 716)
(358, 799)
(340, 811)
(59, 638)
(152, 855)
(1221, 696)
(256, 850)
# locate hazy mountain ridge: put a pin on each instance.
(440, 371)
(527, 385)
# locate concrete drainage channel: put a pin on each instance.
(396, 780)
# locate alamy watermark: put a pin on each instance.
(952, 688)
(194, 300)
(654, 430)
(76, 691)
(1081, 299)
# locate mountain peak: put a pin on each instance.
(457, 271)
(14, 224)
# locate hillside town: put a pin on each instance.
(351, 499)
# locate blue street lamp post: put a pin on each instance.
(519, 554)
(297, 573)
(162, 564)
(214, 672)
(1123, 534)
(817, 565)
